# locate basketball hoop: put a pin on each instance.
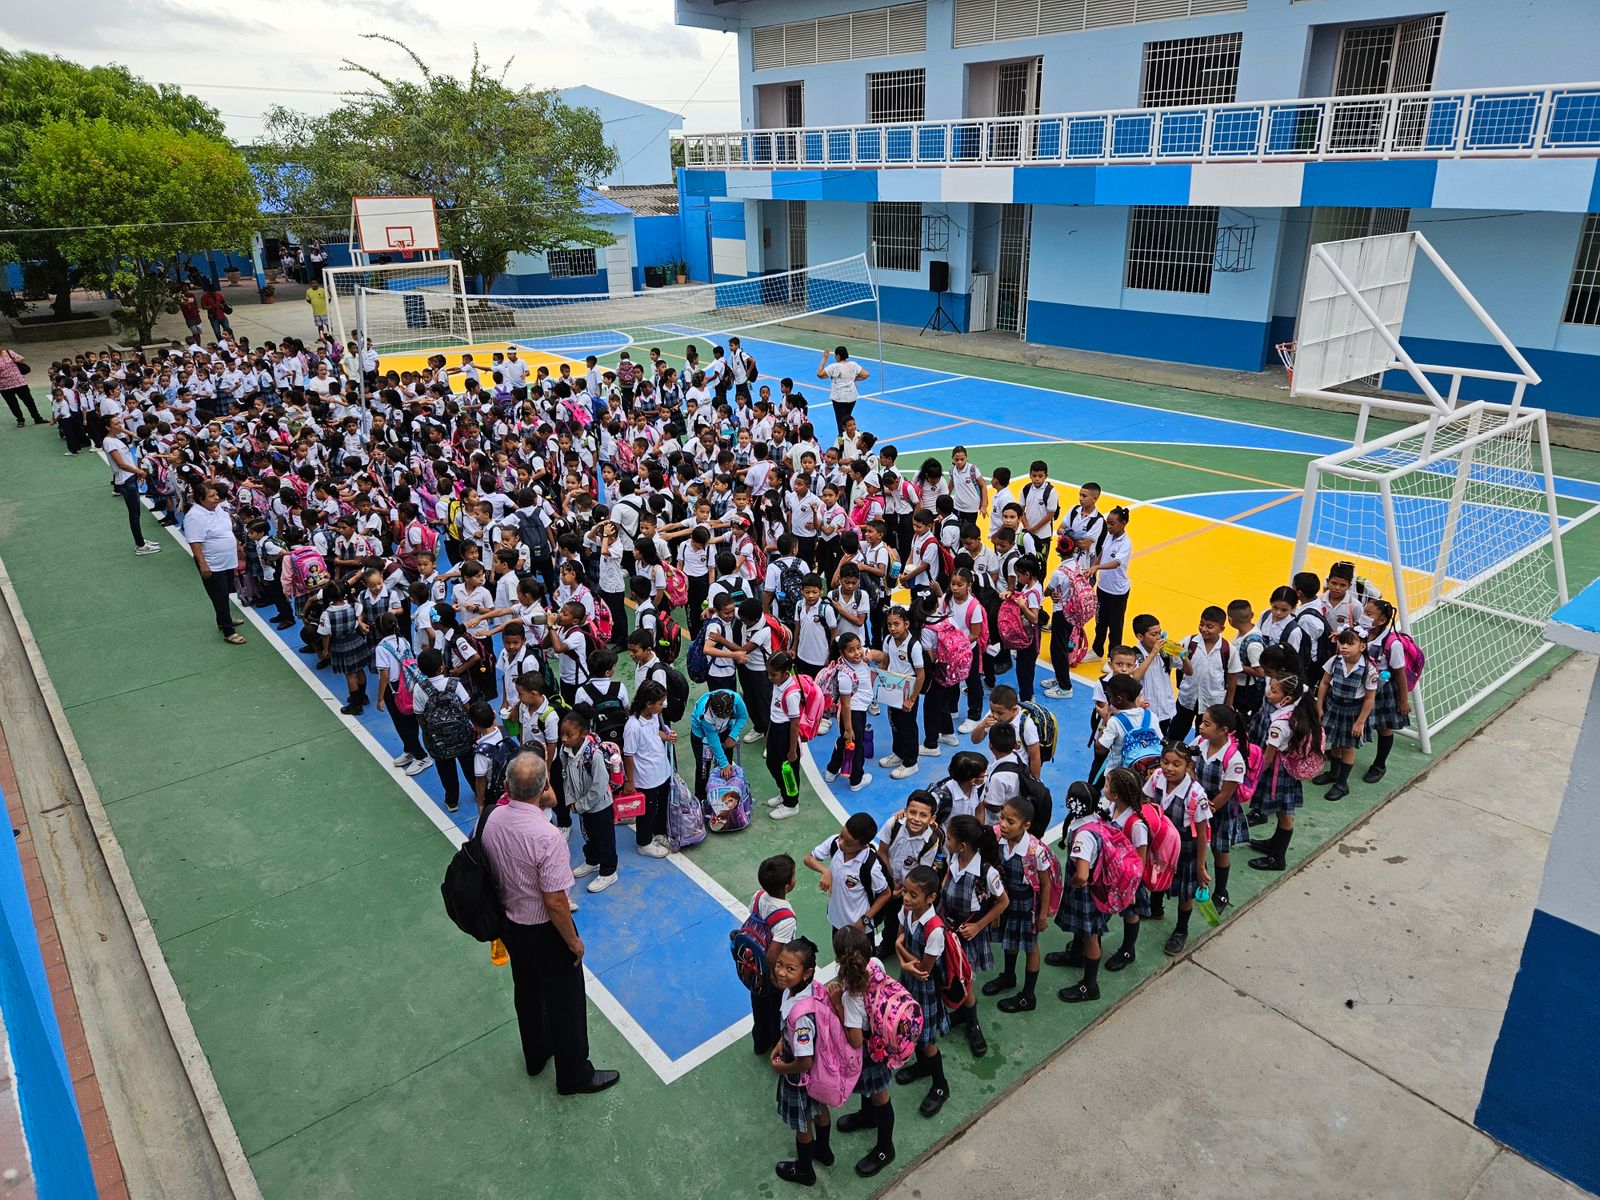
(405, 248)
(1286, 357)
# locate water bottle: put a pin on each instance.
(1208, 910)
(791, 785)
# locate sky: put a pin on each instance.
(243, 57)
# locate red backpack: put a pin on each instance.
(1016, 631)
(954, 972)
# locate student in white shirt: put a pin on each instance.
(647, 767)
(1113, 550)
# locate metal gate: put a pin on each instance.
(797, 249)
(1377, 59)
(1016, 95)
(1011, 292)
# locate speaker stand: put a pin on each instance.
(940, 322)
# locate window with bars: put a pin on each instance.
(979, 22)
(1583, 296)
(1171, 248)
(897, 235)
(1186, 71)
(1338, 223)
(563, 264)
(871, 33)
(897, 96)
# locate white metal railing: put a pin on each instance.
(1508, 122)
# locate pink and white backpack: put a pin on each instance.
(1016, 631)
(813, 705)
(835, 1063)
(952, 652)
(894, 1019)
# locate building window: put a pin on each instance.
(979, 22)
(871, 33)
(1187, 71)
(563, 264)
(1583, 297)
(897, 236)
(897, 96)
(1171, 248)
(1339, 223)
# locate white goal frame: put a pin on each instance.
(431, 292)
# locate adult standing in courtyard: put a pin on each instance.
(125, 477)
(14, 387)
(532, 865)
(208, 528)
(842, 376)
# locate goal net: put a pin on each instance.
(1453, 521)
(412, 306)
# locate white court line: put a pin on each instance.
(654, 1056)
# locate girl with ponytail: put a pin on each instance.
(1292, 728)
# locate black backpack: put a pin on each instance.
(446, 731)
(471, 895)
(677, 694)
(1313, 651)
(610, 712)
(499, 755)
(791, 577)
(1033, 790)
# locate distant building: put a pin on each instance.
(1145, 177)
(640, 134)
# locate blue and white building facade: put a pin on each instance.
(1145, 177)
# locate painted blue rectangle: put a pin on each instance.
(1153, 183)
(1582, 611)
(1052, 185)
(727, 218)
(1540, 1097)
(1405, 184)
(859, 186)
(704, 183)
(1566, 378)
(1204, 341)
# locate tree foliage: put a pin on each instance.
(37, 89)
(128, 199)
(504, 164)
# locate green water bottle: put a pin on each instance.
(1207, 910)
(791, 785)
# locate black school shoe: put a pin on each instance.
(1175, 942)
(1119, 960)
(1221, 900)
(933, 1101)
(1079, 992)
(1262, 844)
(1000, 983)
(1021, 1002)
(914, 1070)
(1266, 863)
(1337, 792)
(976, 1042)
(789, 1172)
(1375, 773)
(1072, 956)
(1256, 818)
(875, 1161)
(1324, 779)
(850, 1122)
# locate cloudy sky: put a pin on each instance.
(243, 57)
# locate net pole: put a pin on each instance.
(1391, 532)
(877, 311)
(1557, 556)
(1308, 508)
(1458, 493)
(466, 304)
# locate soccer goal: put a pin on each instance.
(1453, 518)
(407, 306)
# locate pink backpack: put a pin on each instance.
(813, 705)
(1114, 882)
(894, 1019)
(827, 682)
(1047, 888)
(868, 508)
(1016, 631)
(1161, 856)
(952, 652)
(835, 1063)
(1305, 760)
(1079, 604)
(1415, 658)
(1246, 790)
(677, 587)
(578, 413)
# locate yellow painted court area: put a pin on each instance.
(482, 357)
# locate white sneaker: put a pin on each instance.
(830, 776)
(566, 833)
(774, 802)
(1091, 657)
(824, 725)
(902, 772)
(1050, 685)
(888, 760)
(865, 779)
(949, 739)
(419, 765)
(572, 904)
(148, 548)
(404, 760)
(654, 850)
(967, 726)
(784, 812)
(928, 752)
(661, 840)
(873, 708)
(601, 882)
(750, 737)
(583, 870)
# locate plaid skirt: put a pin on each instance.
(1337, 717)
(1014, 930)
(348, 648)
(1386, 716)
(1187, 877)
(796, 1108)
(875, 1077)
(1141, 906)
(935, 1018)
(1229, 829)
(1278, 791)
(980, 952)
(1078, 915)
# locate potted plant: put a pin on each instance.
(269, 294)
(231, 274)
(680, 269)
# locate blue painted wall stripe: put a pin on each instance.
(1407, 184)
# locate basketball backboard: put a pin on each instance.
(403, 225)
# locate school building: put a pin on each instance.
(1145, 177)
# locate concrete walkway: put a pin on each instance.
(1331, 1042)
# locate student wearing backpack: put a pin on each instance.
(1391, 707)
(586, 786)
(857, 973)
(1120, 802)
(647, 768)
(389, 658)
(715, 725)
(569, 641)
(1005, 708)
(922, 943)
(1220, 765)
(1173, 787)
(852, 875)
(1345, 696)
(783, 700)
(966, 612)
(1292, 729)
(910, 839)
(814, 623)
(491, 755)
(938, 725)
(1079, 915)
(1112, 553)
(972, 898)
(852, 682)
(1208, 666)
(770, 906)
(756, 642)
(605, 698)
(785, 576)
(1308, 633)
(1028, 597)
(793, 969)
(902, 659)
(1021, 864)
(441, 702)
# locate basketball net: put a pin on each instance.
(406, 252)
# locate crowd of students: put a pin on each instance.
(474, 547)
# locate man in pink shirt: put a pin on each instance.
(531, 863)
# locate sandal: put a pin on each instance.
(234, 639)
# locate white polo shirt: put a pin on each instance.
(212, 528)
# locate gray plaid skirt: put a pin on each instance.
(1278, 791)
(875, 1077)
(1187, 877)
(1014, 931)
(795, 1105)
(1337, 717)
(1386, 705)
(1078, 915)
(1229, 829)
(935, 1019)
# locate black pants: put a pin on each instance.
(827, 559)
(129, 491)
(219, 586)
(806, 548)
(903, 731)
(757, 689)
(705, 763)
(451, 772)
(1027, 661)
(24, 395)
(936, 714)
(272, 589)
(974, 687)
(600, 839)
(900, 534)
(699, 589)
(548, 986)
(654, 822)
(1061, 648)
(765, 1008)
(889, 926)
(777, 756)
(842, 413)
(405, 728)
(619, 618)
(72, 429)
(1111, 611)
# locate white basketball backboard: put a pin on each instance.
(394, 225)
(1338, 343)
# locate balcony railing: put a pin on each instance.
(1522, 122)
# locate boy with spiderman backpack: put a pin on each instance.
(771, 924)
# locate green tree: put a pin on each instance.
(504, 164)
(128, 200)
(36, 89)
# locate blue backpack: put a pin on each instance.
(1141, 744)
(698, 662)
(749, 945)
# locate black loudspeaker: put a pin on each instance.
(938, 275)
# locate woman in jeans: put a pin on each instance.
(125, 480)
(14, 387)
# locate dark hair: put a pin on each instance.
(1122, 690)
(1002, 738)
(1023, 807)
(1212, 613)
(925, 797)
(1303, 722)
(967, 828)
(967, 765)
(862, 826)
(926, 880)
(649, 692)
(1224, 716)
(480, 714)
(1307, 584)
(775, 873)
(781, 662)
(1350, 637)
(1123, 786)
(805, 948)
(1144, 623)
(852, 950)
(601, 660)
(1182, 749)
